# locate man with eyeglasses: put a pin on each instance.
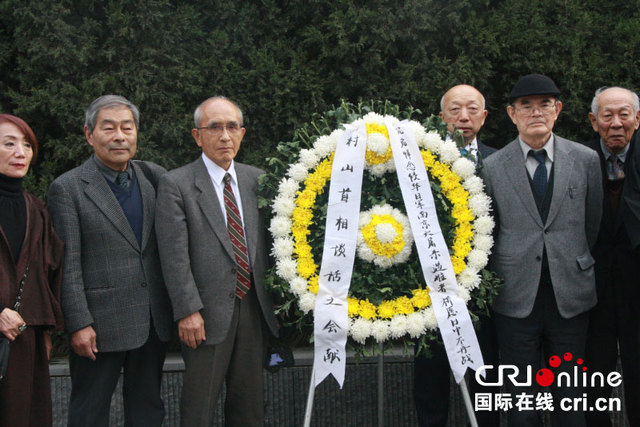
(614, 321)
(547, 201)
(213, 252)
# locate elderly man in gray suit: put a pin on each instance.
(547, 194)
(214, 255)
(114, 301)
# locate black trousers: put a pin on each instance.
(431, 382)
(612, 323)
(93, 383)
(530, 342)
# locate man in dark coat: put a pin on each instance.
(613, 322)
(463, 108)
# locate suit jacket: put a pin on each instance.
(196, 253)
(109, 281)
(568, 234)
(614, 255)
(631, 195)
(485, 151)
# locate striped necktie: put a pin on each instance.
(236, 234)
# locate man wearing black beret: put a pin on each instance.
(547, 200)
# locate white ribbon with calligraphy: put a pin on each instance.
(331, 319)
(451, 312)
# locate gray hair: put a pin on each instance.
(442, 101)
(197, 115)
(108, 101)
(634, 99)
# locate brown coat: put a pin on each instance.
(25, 395)
(42, 252)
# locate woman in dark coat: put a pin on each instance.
(29, 249)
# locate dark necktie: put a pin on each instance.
(122, 179)
(540, 175)
(615, 168)
(236, 234)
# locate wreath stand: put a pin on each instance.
(310, 396)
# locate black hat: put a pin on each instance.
(533, 84)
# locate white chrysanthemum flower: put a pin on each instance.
(283, 206)
(298, 172)
(373, 118)
(449, 152)
(288, 187)
(383, 262)
(416, 325)
(282, 247)
(464, 294)
(430, 320)
(381, 168)
(325, 145)
(393, 121)
(473, 184)
(464, 168)
(308, 158)
(365, 218)
(385, 233)
(380, 330)
(432, 141)
(360, 329)
(477, 259)
(480, 204)
(280, 226)
(469, 278)
(365, 253)
(381, 210)
(398, 325)
(307, 302)
(298, 286)
(418, 131)
(287, 268)
(483, 225)
(378, 143)
(483, 242)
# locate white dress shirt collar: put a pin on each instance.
(548, 147)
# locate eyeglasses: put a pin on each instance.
(545, 108)
(218, 128)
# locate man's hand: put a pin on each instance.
(83, 342)
(48, 345)
(191, 329)
(10, 323)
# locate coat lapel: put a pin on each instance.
(516, 171)
(148, 203)
(99, 192)
(562, 170)
(210, 206)
(249, 211)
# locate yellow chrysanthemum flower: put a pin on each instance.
(367, 310)
(403, 305)
(353, 306)
(386, 310)
(421, 298)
